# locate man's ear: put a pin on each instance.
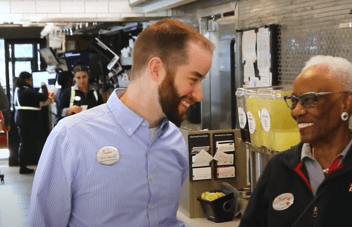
(155, 66)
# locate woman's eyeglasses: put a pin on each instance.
(307, 100)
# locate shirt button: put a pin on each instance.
(151, 207)
(151, 177)
(144, 124)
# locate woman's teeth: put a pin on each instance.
(304, 125)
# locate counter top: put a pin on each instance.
(204, 222)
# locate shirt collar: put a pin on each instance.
(306, 151)
(128, 119)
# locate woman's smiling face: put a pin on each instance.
(323, 120)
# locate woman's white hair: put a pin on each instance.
(341, 69)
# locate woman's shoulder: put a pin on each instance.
(26, 89)
(66, 90)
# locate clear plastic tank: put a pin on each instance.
(280, 130)
(255, 129)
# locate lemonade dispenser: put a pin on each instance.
(280, 130)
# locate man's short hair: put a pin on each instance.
(168, 40)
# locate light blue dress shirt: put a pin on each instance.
(314, 169)
(71, 188)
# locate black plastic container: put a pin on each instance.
(221, 209)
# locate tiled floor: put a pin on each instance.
(14, 196)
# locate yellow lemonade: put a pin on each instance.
(264, 102)
(252, 107)
(284, 127)
(284, 139)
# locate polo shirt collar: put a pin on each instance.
(306, 151)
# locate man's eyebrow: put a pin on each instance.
(197, 74)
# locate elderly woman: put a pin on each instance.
(311, 183)
(81, 96)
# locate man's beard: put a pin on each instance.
(170, 99)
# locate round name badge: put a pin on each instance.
(283, 201)
(108, 155)
(77, 98)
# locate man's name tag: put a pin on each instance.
(108, 155)
(283, 201)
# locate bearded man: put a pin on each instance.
(123, 163)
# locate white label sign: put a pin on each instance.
(226, 172)
(242, 117)
(203, 158)
(202, 173)
(223, 158)
(251, 122)
(265, 119)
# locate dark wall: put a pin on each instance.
(20, 32)
(308, 28)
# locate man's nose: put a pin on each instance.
(197, 93)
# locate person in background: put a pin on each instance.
(311, 183)
(106, 91)
(80, 96)
(5, 109)
(28, 103)
(65, 80)
(123, 163)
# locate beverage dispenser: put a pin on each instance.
(280, 130)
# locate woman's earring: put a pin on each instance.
(344, 116)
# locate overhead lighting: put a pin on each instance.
(346, 25)
(10, 18)
(28, 19)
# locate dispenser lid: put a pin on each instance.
(240, 92)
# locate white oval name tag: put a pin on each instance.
(265, 119)
(242, 117)
(108, 155)
(251, 122)
(77, 98)
(283, 201)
